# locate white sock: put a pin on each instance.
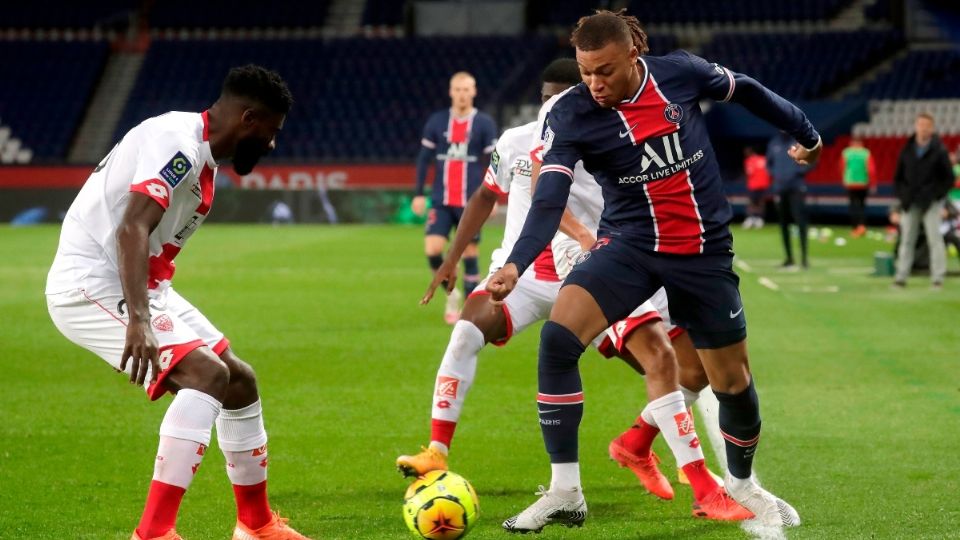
(456, 373)
(565, 479)
(184, 436)
(675, 424)
(709, 409)
(243, 442)
(648, 416)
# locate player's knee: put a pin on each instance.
(652, 347)
(489, 319)
(203, 371)
(560, 349)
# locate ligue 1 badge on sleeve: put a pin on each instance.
(673, 113)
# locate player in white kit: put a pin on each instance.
(109, 291)
(638, 337)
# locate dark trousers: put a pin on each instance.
(792, 207)
(858, 206)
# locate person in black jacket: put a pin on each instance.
(923, 178)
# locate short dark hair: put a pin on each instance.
(259, 84)
(596, 31)
(562, 71)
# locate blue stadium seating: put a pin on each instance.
(728, 11)
(64, 13)
(356, 99)
(383, 13)
(238, 14)
(920, 74)
(803, 66)
(46, 87)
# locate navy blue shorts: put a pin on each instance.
(702, 290)
(442, 219)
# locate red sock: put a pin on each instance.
(441, 431)
(160, 513)
(700, 480)
(253, 510)
(639, 438)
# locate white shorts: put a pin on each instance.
(100, 326)
(530, 301)
(654, 309)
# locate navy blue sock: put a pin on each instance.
(471, 274)
(740, 427)
(435, 261)
(560, 392)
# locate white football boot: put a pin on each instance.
(770, 510)
(548, 510)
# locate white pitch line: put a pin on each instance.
(768, 283)
(850, 270)
(742, 265)
(826, 289)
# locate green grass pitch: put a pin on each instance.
(859, 388)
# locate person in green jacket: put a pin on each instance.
(859, 177)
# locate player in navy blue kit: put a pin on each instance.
(636, 124)
(455, 140)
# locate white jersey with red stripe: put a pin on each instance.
(509, 174)
(166, 158)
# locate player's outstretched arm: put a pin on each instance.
(569, 224)
(133, 248)
(767, 105)
(477, 211)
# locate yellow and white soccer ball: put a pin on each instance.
(440, 505)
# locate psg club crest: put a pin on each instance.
(673, 113)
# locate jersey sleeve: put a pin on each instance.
(161, 167)
(560, 153)
(429, 138)
(499, 175)
(715, 81)
(536, 143)
(490, 137)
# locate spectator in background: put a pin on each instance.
(954, 195)
(790, 187)
(758, 182)
(923, 177)
(859, 177)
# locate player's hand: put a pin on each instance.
(803, 156)
(502, 282)
(142, 350)
(446, 275)
(419, 205)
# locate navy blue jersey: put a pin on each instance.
(455, 146)
(652, 156)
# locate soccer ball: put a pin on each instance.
(440, 505)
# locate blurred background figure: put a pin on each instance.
(758, 182)
(923, 177)
(859, 178)
(790, 188)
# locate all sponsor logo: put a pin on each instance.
(163, 323)
(662, 158)
(447, 386)
(684, 423)
(157, 190)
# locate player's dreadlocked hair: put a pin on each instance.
(259, 84)
(562, 71)
(595, 31)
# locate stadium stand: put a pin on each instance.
(800, 65)
(54, 80)
(919, 74)
(700, 11)
(238, 14)
(356, 99)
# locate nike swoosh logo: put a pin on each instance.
(732, 314)
(550, 411)
(625, 133)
